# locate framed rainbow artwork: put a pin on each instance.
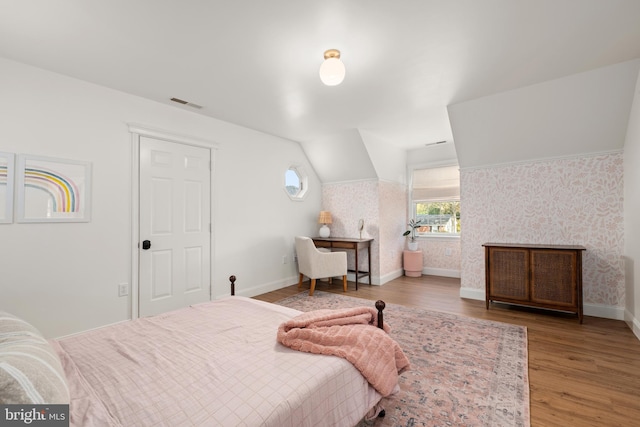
(53, 190)
(6, 187)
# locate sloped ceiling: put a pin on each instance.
(340, 157)
(255, 63)
(355, 155)
(579, 114)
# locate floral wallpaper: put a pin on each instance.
(382, 206)
(393, 213)
(348, 203)
(576, 201)
(562, 201)
(441, 253)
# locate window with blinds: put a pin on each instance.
(435, 200)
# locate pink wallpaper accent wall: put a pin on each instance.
(576, 201)
(434, 253)
(382, 205)
(393, 213)
(348, 203)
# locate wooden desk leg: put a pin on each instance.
(369, 257)
(356, 267)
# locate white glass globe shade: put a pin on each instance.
(332, 72)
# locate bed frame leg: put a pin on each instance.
(232, 279)
(380, 306)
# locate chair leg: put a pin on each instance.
(344, 282)
(300, 280)
(313, 287)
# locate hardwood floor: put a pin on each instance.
(579, 375)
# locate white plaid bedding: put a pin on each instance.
(212, 364)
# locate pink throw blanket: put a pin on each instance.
(353, 335)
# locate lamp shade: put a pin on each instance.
(325, 217)
(332, 70)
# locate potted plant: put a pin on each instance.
(413, 243)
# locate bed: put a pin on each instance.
(215, 363)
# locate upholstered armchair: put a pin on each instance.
(317, 265)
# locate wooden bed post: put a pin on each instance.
(380, 306)
(232, 279)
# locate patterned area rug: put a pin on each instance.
(464, 371)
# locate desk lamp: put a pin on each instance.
(324, 219)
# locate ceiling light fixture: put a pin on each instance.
(332, 69)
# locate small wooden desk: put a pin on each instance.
(348, 243)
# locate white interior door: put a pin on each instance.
(175, 242)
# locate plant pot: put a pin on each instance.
(413, 246)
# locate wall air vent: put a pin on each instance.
(187, 103)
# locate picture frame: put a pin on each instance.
(7, 173)
(53, 190)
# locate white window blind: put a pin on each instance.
(436, 184)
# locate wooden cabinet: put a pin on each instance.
(544, 276)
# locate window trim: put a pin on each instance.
(304, 182)
(410, 201)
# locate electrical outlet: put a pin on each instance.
(123, 289)
(284, 259)
(447, 252)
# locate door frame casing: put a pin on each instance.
(137, 131)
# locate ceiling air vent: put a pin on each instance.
(435, 143)
(187, 103)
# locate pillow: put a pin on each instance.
(30, 371)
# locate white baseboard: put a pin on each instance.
(92, 329)
(263, 288)
(388, 277)
(374, 280)
(595, 310)
(633, 323)
(441, 272)
(604, 311)
(472, 293)
(288, 281)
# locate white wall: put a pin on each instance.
(433, 155)
(388, 160)
(64, 277)
(579, 114)
(631, 210)
(340, 157)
